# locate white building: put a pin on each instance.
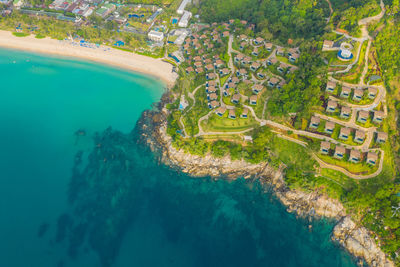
(184, 21)
(155, 36)
(182, 6)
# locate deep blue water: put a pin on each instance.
(118, 205)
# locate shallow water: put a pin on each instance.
(138, 212)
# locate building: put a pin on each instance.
(346, 91)
(294, 57)
(184, 21)
(328, 44)
(372, 158)
(329, 127)
(224, 71)
(239, 58)
(331, 107)
(378, 116)
(272, 61)
(254, 66)
(241, 72)
(359, 136)
(280, 51)
(358, 94)
(189, 70)
(340, 151)
(268, 46)
(211, 89)
(381, 137)
(258, 41)
(232, 114)
(325, 146)
(253, 100)
(213, 104)
(220, 111)
(345, 112)
(273, 81)
(372, 92)
(105, 10)
(363, 116)
(330, 87)
(281, 84)
(156, 36)
(257, 88)
(282, 67)
(209, 67)
(211, 76)
(355, 156)
(314, 122)
(255, 52)
(235, 99)
(244, 114)
(234, 80)
(344, 133)
(182, 6)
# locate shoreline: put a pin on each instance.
(356, 239)
(106, 55)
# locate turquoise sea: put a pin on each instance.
(75, 192)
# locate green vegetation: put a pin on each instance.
(20, 34)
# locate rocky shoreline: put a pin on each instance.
(356, 239)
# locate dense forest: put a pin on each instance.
(273, 18)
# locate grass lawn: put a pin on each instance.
(284, 60)
(223, 124)
(20, 34)
(356, 168)
(223, 79)
(39, 36)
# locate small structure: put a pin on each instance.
(294, 57)
(211, 76)
(280, 51)
(257, 88)
(199, 70)
(273, 81)
(359, 137)
(372, 92)
(189, 70)
(346, 91)
(219, 63)
(220, 111)
(354, 156)
(211, 83)
(258, 41)
(235, 99)
(330, 87)
(246, 60)
(358, 94)
(381, 137)
(230, 85)
(234, 80)
(241, 72)
(331, 107)
(239, 57)
(211, 89)
(255, 52)
(281, 84)
(282, 67)
(314, 122)
(345, 53)
(363, 116)
(254, 66)
(213, 104)
(327, 44)
(344, 133)
(232, 114)
(339, 152)
(253, 100)
(156, 36)
(244, 114)
(329, 127)
(212, 97)
(325, 146)
(372, 158)
(272, 61)
(209, 67)
(345, 112)
(224, 71)
(268, 46)
(378, 116)
(198, 64)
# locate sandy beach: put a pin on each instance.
(147, 65)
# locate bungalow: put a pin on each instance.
(381, 137)
(224, 71)
(230, 85)
(363, 116)
(203, 36)
(257, 88)
(211, 76)
(258, 41)
(226, 93)
(346, 91)
(344, 133)
(345, 112)
(359, 137)
(219, 63)
(232, 114)
(212, 97)
(241, 72)
(273, 81)
(331, 107)
(211, 83)
(246, 60)
(281, 84)
(234, 80)
(282, 67)
(255, 52)
(372, 158)
(239, 57)
(272, 61)
(328, 44)
(330, 87)
(231, 21)
(197, 46)
(199, 70)
(339, 152)
(210, 46)
(207, 61)
(314, 122)
(211, 89)
(213, 104)
(378, 116)
(268, 46)
(209, 67)
(325, 146)
(198, 64)
(354, 156)
(242, 45)
(294, 57)
(280, 51)
(197, 58)
(260, 75)
(292, 51)
(253, 100)
(329, 127)
(235, 98)
(254, 66)
(189, 70)
(372, 92)
(225, 34)
(243, 37)
(244, 113)
(358, 94)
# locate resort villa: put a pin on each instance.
(344, 133)
(253, 100)
(329, 127)
(281, 84)
(220, 111)
(314, 123)
(381, 137)
(325, 146)
(346, 91)
(327, 44)
(331, 107)
(372, 158)
(363, 116)
(330, 87)
(232, 114)
(358, 94)
(280, 51)
(372, 92)
(268, 47)
(273, 81)
(272, 61)
(213, 104)
(378, 116)
(257, 88)
(244, 113)
(355, 156)
(345, 112)
(359, 137)
(339, 152)
(235, 98)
